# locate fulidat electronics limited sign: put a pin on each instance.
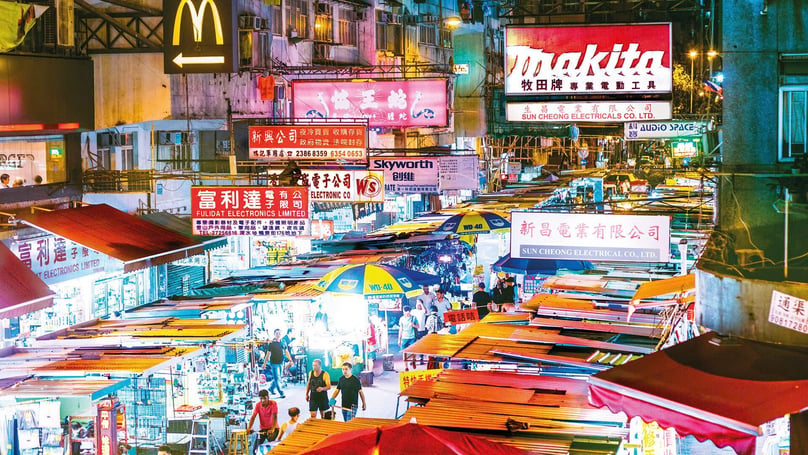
(250, 210)
(595, 237)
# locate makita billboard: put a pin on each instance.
(588, 60)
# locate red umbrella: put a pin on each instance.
(408, 438)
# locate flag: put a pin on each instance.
(16, 20)
(711, 86)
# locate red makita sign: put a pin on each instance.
(588, 60)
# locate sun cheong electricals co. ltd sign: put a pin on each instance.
(588, 60)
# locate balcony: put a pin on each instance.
(106, 181)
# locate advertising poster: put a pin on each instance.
(388, 103)
(588, 59)
(250, 210)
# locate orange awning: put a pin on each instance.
(23, 291)
(677, 285)
(134, 241)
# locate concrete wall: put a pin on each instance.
(130, 88)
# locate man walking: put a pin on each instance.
(351, 389)
(267, 412)
(407, 328)
(442, 303)
(317, 389)
(482, 300)
(275, 358)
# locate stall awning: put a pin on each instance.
(677, 285)
(712, 387)
(184, 227)
(23, 292)
(135, 242)
(93, 388)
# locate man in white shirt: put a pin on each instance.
(427, 298)
(442, 303)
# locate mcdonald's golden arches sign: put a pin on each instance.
(199, 36)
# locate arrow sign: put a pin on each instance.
(212, 60)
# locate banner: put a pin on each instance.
(459, 172)
(250, 210)
(634, 131)
(405, 175)
(342, 186)
(308, 142)
(56, 259)
(588, 59)
(589, 111)
(408, 378)
(389, 103)
(461, 316)
(595, 237)
(16, 20)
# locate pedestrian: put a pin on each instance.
(165, 449)
(442, 303)
(351, 388)
(4, 179)
(482, 300)
(420, 315)
(290, 425)
(427, 298)
(286, 341)
(407, 328)
(38, 180)
(508, 296)
(275, 358)
(317, 389)
(433, 322)
(321, 321)
(19, 181)
(267, 412)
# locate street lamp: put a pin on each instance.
(692, 55)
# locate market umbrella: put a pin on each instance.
(408, 438)
(475, 222)
(538, 266)
(377, 280)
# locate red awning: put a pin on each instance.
(711, 387)
(23, 292)
(135, 242)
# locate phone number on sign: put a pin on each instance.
(274, 153)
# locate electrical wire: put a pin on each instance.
(764, 259)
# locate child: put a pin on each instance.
(289, 426)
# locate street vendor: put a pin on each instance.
(267, 412)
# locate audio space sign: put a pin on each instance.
(405, 175)
(342, 186)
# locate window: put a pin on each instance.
(388, 36)
(347, 27)
(297, 16)
(173, 151)
(277, 21)
(324, 23)
(445, 37)
(116, 151)
(793, 127)
(32, 160)
(427, 35)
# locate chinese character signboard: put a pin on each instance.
(588, 60)
(590, 111)
(789, 312)
(662, 130)
(408, 175)
(249, 210)
(342, 186)
(629, 238)
(199, 36)
(56, 259)
(461, 316)
(308, 142)
(388, 103)
(459, 172)
(408, 378)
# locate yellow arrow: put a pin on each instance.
(180, 60)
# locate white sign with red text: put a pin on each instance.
(250, 210)
(588, 59)
(342, 186)
(789, 312)
(589, 111)
(594, 237)
(56, 259)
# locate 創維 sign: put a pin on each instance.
(250, 210)
(199, 36)
(596, 237)
(407, 175)
(308, 142)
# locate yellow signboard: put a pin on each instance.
(408, 378)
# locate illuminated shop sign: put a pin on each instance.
(628, 238)
(588, 60)
(588, 111)
(405, 175)
(383, 103)
(662, 130)
(308, 142)
(459, 172)
(250, 210)
(342, 186)
(199, 36)
(56, 259)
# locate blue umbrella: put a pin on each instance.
(538, 266)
